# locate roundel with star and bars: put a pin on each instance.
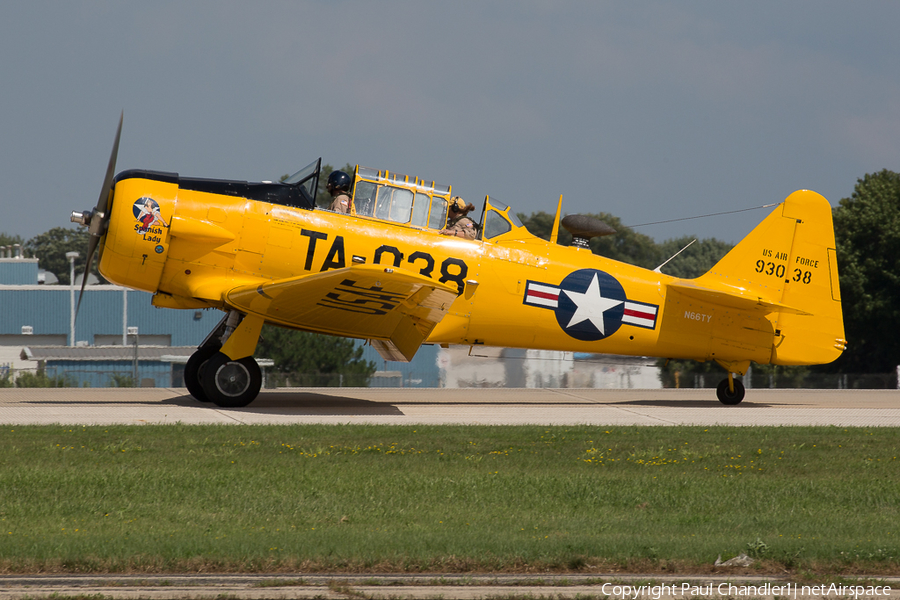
(590, 305)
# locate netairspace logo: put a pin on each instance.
(788, 590)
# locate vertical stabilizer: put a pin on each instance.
(789, 260)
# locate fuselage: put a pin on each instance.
(264, 253)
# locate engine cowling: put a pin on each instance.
(134, 249)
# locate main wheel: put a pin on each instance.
(231, 383)
(728, 398)
(193, 371)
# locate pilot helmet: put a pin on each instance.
(458, 203)
(338, 181)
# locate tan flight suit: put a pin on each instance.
(462, 226)
(341, 203)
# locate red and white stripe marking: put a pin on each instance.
(542, 295)
(642, 315)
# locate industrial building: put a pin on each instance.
(38, 331)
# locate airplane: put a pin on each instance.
(267, 253)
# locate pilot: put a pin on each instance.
(338, 186)
(458, 224)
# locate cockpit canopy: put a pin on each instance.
(400, 198)
(413, 201)
(409, 200)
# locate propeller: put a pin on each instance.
(584, 227)
(97, 220)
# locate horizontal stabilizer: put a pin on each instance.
(734, 298)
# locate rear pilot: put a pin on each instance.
(458, 223)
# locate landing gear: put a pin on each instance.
(725, 393)
(211, 375)
(231, 383)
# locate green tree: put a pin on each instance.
(541, 225)
(867, 232)
(689, 373)
(638, 249)
(120, 380)
(9, 240)
(314, 359)
(697, 259)
(50, 249)
(625, 245)
(40, 379)
(779, 376)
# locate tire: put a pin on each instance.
(231, 383)
(727, 398)
(193, 371)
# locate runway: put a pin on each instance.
(499, 406)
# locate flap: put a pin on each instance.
(361, 301)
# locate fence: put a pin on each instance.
(154, 375)
(84, 378)
(162, 375)
(811, 381)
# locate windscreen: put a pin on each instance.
(307, 179)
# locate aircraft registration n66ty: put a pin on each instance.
(265, 253)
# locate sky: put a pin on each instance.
(649, 111)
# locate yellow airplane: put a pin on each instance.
(266, 253)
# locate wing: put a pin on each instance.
(393, 308)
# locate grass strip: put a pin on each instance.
(368, 498)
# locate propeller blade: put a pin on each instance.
(103, 200)
(89, 263)
(99, 218)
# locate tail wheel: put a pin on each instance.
(728, 397)
(231, 383)
(193, 371)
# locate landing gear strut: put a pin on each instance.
(211, 375)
